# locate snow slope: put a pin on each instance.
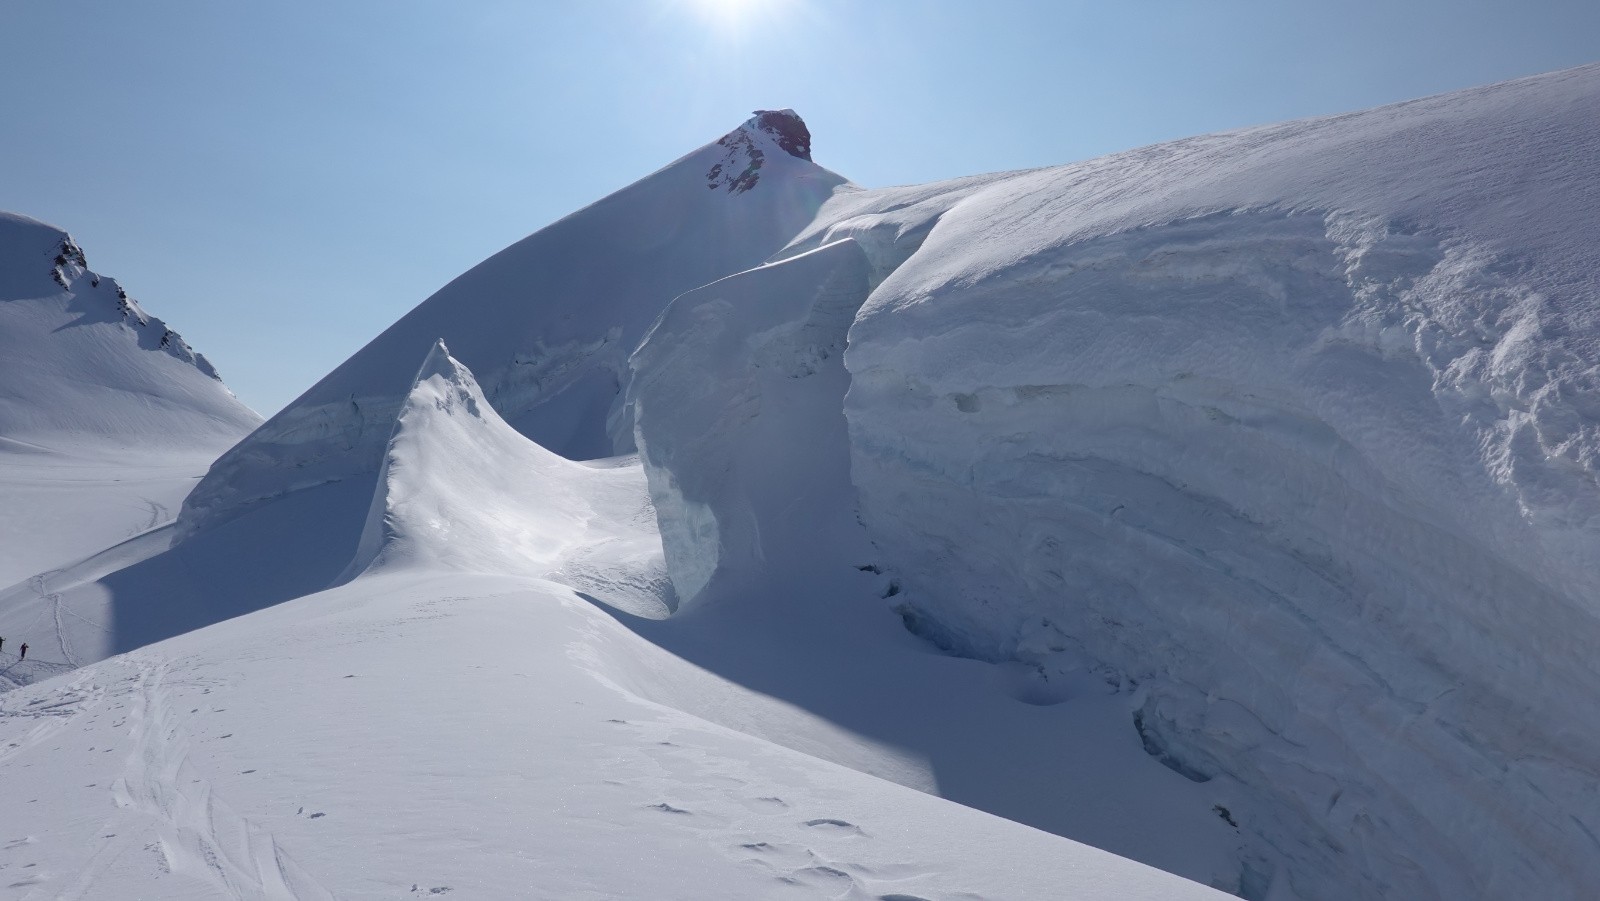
(107, 416)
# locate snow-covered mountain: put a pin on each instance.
(1229, 504)
(548, 323)
(106, 414)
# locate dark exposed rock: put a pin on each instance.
(739, 169)
(788, 129)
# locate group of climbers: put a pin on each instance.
(23, 655)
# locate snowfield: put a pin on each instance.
(1230, 505)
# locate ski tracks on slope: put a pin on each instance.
(200, 835)
(41, 586)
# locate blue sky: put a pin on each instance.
(280, 181)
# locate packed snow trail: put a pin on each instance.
(200, 835)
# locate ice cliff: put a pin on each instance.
(1292, 431)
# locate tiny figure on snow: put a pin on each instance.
(2, 641)
(24, 650)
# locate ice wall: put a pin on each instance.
(1196, 454)
(737, 398)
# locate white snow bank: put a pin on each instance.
(1298, 430)
(738, 397)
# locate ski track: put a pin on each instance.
(158, 514)
(200, 835)
(40, 584)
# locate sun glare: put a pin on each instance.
(735, 15)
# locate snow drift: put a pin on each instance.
(460, 490)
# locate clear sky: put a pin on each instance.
(281, 180)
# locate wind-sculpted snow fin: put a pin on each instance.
(460, 490)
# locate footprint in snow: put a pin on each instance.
(832, 824)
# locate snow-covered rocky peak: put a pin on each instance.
(461, 490)
(747, 147)
(81, 360)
